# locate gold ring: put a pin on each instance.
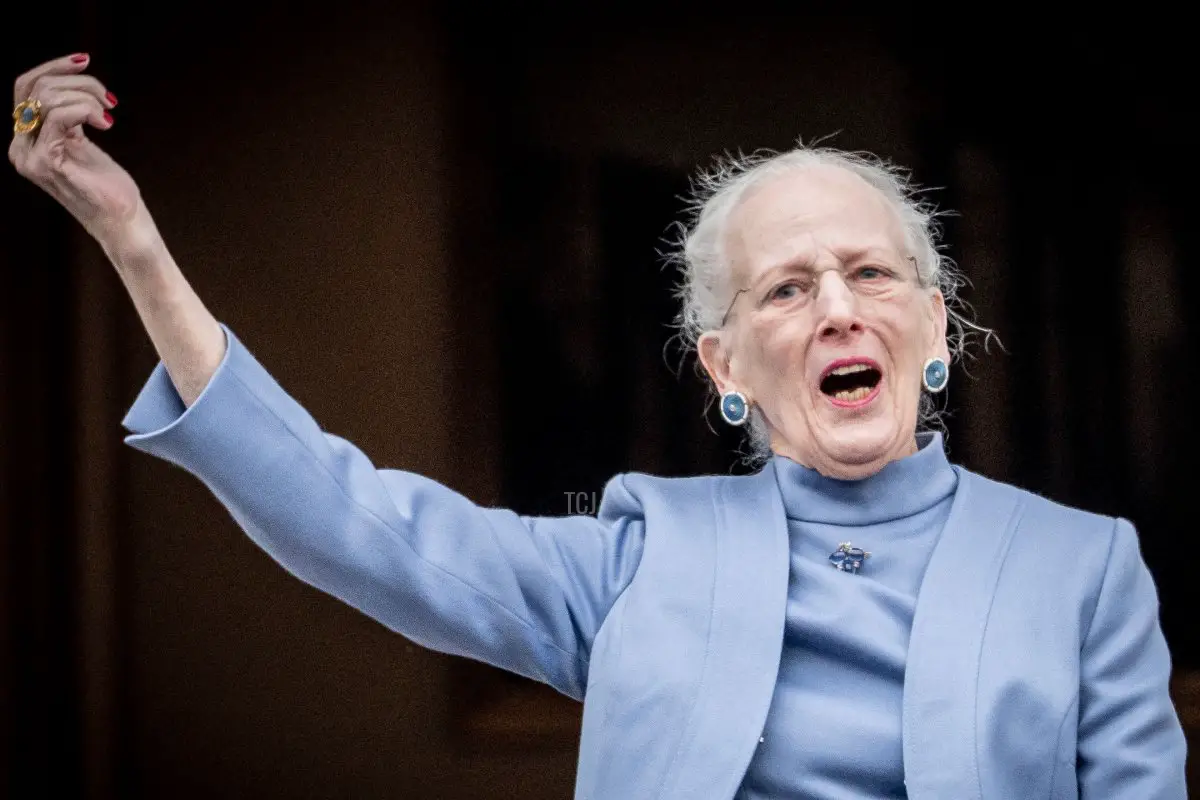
(27, 116)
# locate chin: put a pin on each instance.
(856, 451)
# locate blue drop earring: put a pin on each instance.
(935, 375)
(734, 408)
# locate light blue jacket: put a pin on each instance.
(1036, 668)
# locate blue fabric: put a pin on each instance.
(1036, 666)
(834, 728)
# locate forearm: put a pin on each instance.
(185, 334)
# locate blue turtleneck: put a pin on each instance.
(833, 730)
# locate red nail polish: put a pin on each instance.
(79, 58)
(108, 118)
(112, 99)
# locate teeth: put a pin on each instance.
(850, 369)
(853, 395)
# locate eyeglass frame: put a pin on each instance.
(729, 310)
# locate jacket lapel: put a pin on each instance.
(941, 674)
(745, 639)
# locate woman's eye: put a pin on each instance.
(872, 273)
(787, 291)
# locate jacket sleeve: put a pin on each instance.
(524, 594)
(1131, 745)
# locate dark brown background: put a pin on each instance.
(437, 227)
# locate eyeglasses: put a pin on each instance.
(739, 292)
(729, 310)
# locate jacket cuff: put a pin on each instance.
(158, 406)
(226, 418)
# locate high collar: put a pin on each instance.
(902, 488)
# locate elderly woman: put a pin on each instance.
(858, 619)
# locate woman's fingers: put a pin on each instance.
(56, 85)
(47, 86)
(58, 98)
(67, 65)
(37, 158)
(62, 119)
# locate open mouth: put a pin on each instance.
(851, 382)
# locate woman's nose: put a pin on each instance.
(835, 304)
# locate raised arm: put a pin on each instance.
(527, 595)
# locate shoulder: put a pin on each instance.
(640, 493)
(1036, 508)
(1050, 531)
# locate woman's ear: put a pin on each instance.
(939, 317)
(713, 353)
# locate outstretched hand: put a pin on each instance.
(59, 157)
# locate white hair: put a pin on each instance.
(706, 289)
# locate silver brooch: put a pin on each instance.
(848, 558)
